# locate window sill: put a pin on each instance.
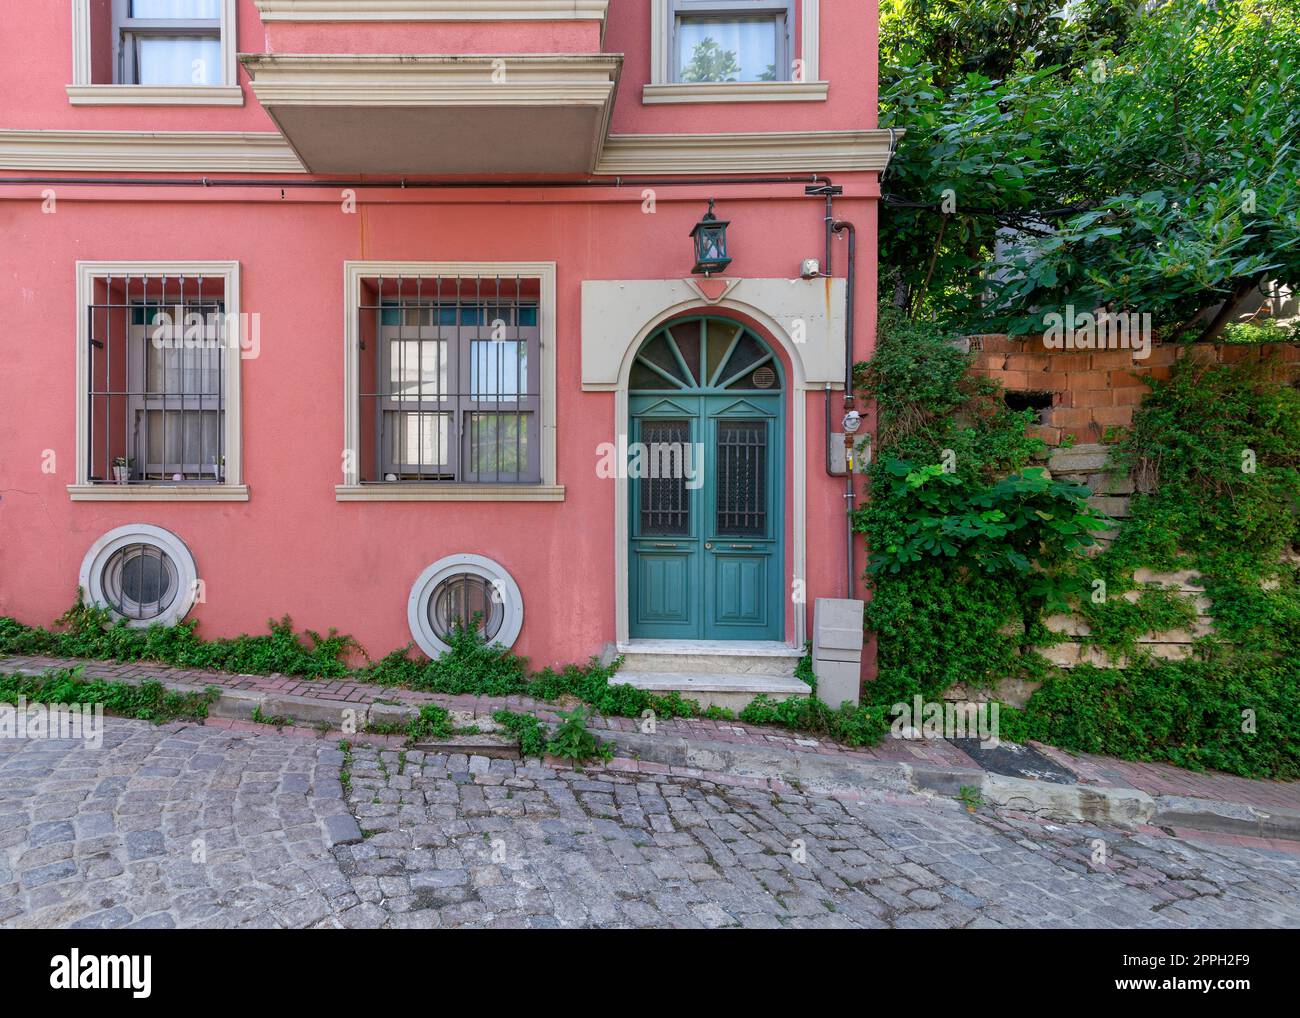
(155, 95)
(158, 492)
(735, 92)
(449, 493)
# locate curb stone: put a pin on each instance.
(1226, 817)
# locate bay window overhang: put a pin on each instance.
(440, 114)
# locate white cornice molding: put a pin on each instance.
(433, 79)
(148, 151)
(758, 152)
(624, 154)
(433, 10)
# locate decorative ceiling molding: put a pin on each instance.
(757, 152)
(199, 152)
(432, 10)
(195, 152)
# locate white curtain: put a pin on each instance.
(178, 60)
(728, 49)
(208, 9)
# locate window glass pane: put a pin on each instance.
(418, 439)
(498, 370)
(206, 9)
(728, 49)
(417, 369)
(178, 60)
(189, 372)
(498, 444)
(183, 441)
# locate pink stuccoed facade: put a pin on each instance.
(266, 183)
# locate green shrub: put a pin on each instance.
(433, 722)
(1189, 713)
(149, 701)
(853, 726)
(572, 741)
(529, 731)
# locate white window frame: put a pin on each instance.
(505, 591)
(231, 487)
(663, 89)
(101, 553)
(351, 489)
(83, 92)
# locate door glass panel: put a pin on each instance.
(749, 351)
(660, 354)
(665, 505)
(742, 478)
(687, 341)
(719, 335)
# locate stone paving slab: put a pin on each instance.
(197, 826)
(935, 757)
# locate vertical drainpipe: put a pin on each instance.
(850, 402)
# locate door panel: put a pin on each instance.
(743, 561)
(665, 561)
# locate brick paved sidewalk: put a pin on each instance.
(1153, 778)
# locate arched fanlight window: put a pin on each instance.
(705, 353)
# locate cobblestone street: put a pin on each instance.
(183, 825)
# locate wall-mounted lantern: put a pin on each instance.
(710, 236)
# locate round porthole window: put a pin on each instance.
(140, 573)
(463, 591)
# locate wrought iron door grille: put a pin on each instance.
(665, 501)
(156, 398)
(742, 478)
(450, 380)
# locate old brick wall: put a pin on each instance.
(1092, 390)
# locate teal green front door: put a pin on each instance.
(705, 479)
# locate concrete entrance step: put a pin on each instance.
(709, 657)
(725, 689)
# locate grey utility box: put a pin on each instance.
(837, 649)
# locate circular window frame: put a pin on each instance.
(417, 605)
(101, 554)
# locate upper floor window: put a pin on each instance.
(154, 52)
(732, 40)
(712, 51)
(167, 42)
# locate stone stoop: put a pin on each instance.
(713, 672)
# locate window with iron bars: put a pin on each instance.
(156, 400)
(450, 380)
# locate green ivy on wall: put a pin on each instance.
(972, 547)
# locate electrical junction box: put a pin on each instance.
(861, 454)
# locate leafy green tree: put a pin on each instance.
(1138, 158)
(1181, 152)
